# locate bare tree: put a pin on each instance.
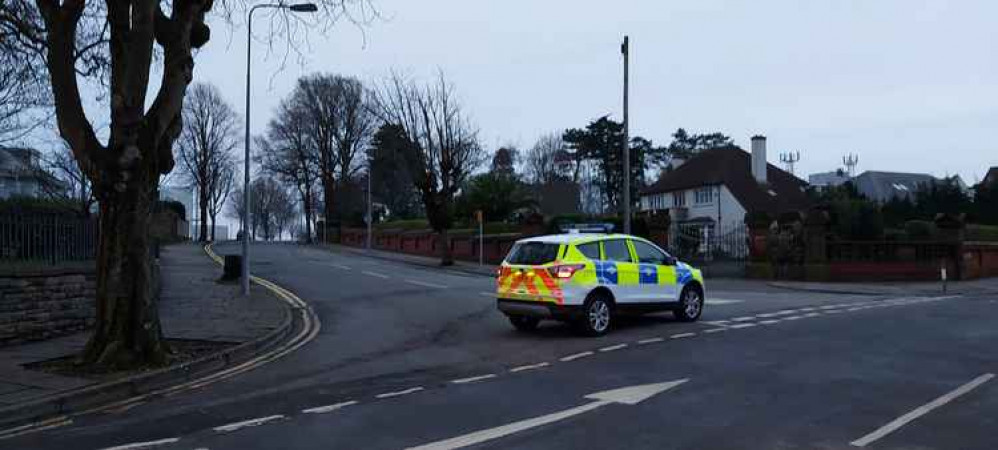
(341, 125)
(62, 165)
(288, 153)
(445, 148)
(206, 144)
(220, 192)
(547, 160)
(117, 43)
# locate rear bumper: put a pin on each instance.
(540, 310)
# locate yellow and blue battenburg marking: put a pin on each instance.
(606, 272)
(647, 274)
(683, 274)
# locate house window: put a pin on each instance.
(704, 195)
(679, 199)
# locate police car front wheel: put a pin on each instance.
(597, 313)
(690, 304)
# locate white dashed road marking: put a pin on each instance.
(743, 325)
(921, 411)
(329, 408)
(529, 367)
(682, 335)
(743, 319)
(722, 301)
(140, 445)
(375, 274)
(473, 379)
(793, 317)
(575, 356)
(247, 423)
(650, 341)
(768, 322)
(715, 330)
(613, 347)
(425, 284)
(339, 266)
(398, 393)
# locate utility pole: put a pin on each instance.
(369, 218)
(625, 49)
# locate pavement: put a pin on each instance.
(412, 355)
(192, 306)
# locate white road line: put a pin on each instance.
(793, 317)
(743, 319)
(827, 307)
(650, 341)
(768, 322)
(814, 314)
(723, 301)
(784, 312)
(743, 325)
(809, 308)
(398, 393)
(529, 367)
(247, 423)
(719, 323)
(148, 444)
(921, 411)
(487, 294)
(473, 379)
(425, 284)
(682, 335)
(575, 356)
(329, 408)
(375, 274)
(339, 266)
(854, 309)
(767, 315)
(613, 347)
(715, 330)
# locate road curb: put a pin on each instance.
(294, 331)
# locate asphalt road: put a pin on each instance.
(412, 356)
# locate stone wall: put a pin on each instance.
(45, 303)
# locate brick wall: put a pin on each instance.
(424, 242)
(45, 303)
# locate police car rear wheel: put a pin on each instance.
(524, 323)
(690, 305)
(597, 315)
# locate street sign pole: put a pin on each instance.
(625, 49)
(481, 237)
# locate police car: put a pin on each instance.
(589, 279)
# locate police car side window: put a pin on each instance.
(648, 254)
(616, 250)
(590, 250)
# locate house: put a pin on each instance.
(824, 180)
(883, 186)
(21, 174)
(991, 179)
(719, 186)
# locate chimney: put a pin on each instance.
(759, 158)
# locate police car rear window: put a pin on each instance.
(533, 253)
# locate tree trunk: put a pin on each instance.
(446, 256)
(328, 191)
(203, 204)
(307, 201)
(213, 228)
(127, 330)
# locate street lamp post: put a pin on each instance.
(369, 217)
(299, 7)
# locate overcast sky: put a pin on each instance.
(908, 85)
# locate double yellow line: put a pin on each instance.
(309, 330)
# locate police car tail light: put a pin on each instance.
(566, 271)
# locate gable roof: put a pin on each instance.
(991, 178)
(882, 186)
(731, 166)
